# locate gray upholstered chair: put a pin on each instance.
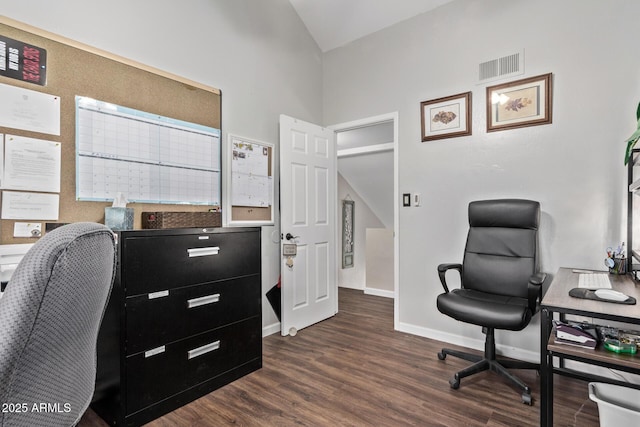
(50, 315)
(501, 286)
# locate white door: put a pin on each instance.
(308, 193)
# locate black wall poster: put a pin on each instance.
(23, 62)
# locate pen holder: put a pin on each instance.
(118, 218)
(619, 266)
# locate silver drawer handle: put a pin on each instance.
(213, 250)
(159, 294)
(203, 350)
(197, 302)
(154, 351)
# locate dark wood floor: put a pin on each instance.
(355, 370)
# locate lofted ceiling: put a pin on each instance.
(334, 23)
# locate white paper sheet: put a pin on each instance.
(18, 205)
(29, 110)
(250, 182)
(31, 164)
(27, 229)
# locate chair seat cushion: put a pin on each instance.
(484, 309)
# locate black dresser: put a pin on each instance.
(184, 318)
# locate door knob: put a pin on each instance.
(290, 236)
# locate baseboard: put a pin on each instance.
(274, 328)
(506, 351)
(348, 286)
(379, 292)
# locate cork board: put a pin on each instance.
(76, 69)
(250, 170)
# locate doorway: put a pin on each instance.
(367, 166)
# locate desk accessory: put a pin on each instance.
(615, 260)
(617, 346)
(575, 335)
(164, 220)
(591, 294)
(119, 217)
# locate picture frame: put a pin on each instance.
(348, 233)
(520, 103)
(446, 117)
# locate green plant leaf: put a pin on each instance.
(633, 139)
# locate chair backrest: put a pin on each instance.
(502, 246)
(50, 315)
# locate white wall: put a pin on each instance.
(371, 174)
(574, 166)
(355, 277)
(379, 262)
(259, 54)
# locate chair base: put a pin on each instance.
(488, 362)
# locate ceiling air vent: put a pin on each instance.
(510, 65)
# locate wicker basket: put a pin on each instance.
(156, 220)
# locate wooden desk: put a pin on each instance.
(557, 300)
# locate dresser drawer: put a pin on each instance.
(156, 263)
(153, 320)
(189, 362)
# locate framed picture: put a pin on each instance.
(525, 102)
(347, 233)
(446, 117)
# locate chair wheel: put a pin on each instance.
(526, 399)
(454, 382)
(441, 355)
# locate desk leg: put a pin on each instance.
(546, 371)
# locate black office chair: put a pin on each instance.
(500, 283)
